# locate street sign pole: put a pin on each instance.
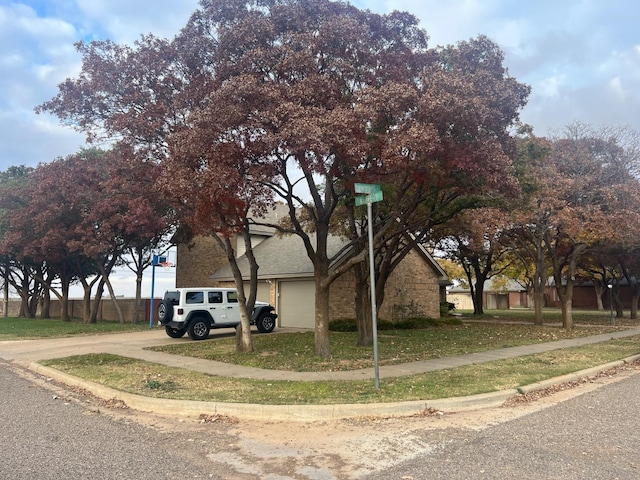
(374, 313)
(373, 193)
(155, 261)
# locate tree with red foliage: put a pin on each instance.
(306, 97)
(79, 215)
(474, 240)
(441, 144)
(585, 189)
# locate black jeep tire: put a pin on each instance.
(175, 332)
(165, 311)
(266, 323)
(199, 329)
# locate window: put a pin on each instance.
(194, 297)
(173, 297)
(232, 297)
(215, 297)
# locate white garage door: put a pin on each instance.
(297, 304)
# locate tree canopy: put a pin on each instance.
(258, 101)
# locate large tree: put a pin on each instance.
(529, 217)
(308, 97)
(584, 191)
(331, 95)
(474, 240)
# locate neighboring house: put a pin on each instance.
(497, 296)
(285, 278)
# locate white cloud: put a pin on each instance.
(616, 88)
(125, 20)
(579, 56)
(550, 86)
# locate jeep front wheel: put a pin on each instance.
(199, 329)
(175, 332)
(266, 323)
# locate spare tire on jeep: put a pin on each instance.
(165, 311)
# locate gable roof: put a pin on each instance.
(285, 257)
(279, 257)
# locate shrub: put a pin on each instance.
(446, 308)
(343, 325)
(413, 323)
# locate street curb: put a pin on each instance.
(572, 377)
(314, 412)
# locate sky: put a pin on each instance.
(580, 57)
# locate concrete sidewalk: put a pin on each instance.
(28, 352)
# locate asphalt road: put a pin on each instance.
(592, 436)
(45, 436)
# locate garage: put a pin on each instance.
(263, 293)
(296, 303)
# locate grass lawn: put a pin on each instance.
(153, 380)
(294, 351)
(22, 328)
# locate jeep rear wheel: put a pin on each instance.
(175, 332)
(266, 323)
(199, 329)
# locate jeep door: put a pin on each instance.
(217, 307)
(233, 308)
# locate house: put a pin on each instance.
(285, 277)
(499, 294)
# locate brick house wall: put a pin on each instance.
(413, 287)
(197, 260)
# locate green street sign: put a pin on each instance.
(367, 188)
(373, 193)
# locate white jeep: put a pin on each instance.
(197, 310)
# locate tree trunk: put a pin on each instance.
(64, 301)
(364, 319)
(538, 305)
(478, 303)
(567, 314)
(5, 299)
(138, 308)
(539, 282)
(244, 341)
(322, 346)
(619, 307)
(86, 303)
(46, 304)
(97, 300)
(565, 293)
(599, 293)
(115, 301)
